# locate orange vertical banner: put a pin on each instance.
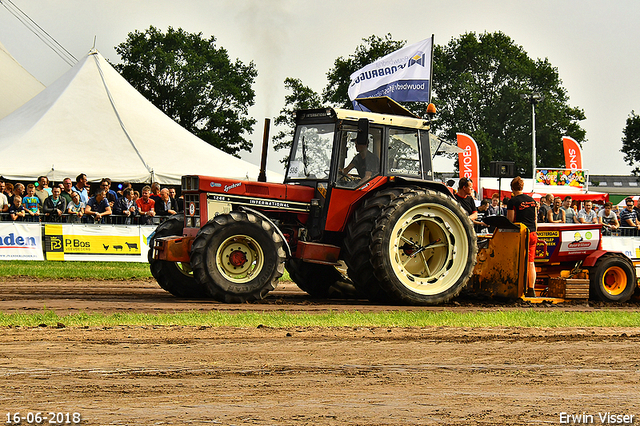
(572, 153)
(469, 159)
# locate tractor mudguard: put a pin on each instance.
(591, 260)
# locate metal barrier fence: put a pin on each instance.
(114, 219)
(107, 220)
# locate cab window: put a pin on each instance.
(358, 164)
(311, 158)
(404, 153)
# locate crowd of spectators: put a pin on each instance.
(614, 221)
(67, 202)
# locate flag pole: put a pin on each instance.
(433, 46)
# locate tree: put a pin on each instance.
(302, 97)
(477, 85)
(631, 142)
(335, 93)
(193, 82)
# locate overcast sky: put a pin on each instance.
(592, 43)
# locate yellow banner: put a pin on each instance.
(66, 242)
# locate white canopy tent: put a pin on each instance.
(17, 86)
(92, 121)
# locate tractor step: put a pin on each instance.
(324, 254)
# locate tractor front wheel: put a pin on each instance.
(613, 279)
(238, 256)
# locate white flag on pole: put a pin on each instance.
(403, 75)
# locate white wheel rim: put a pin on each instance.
(239, 258)
(423, 248)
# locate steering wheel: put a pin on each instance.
(348, 178)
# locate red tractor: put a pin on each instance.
(358, 188)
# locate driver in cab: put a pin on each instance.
(365, 162)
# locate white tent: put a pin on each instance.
(17, 86)
(92, 121)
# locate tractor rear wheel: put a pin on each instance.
(613, 278)
(175, 277)
(422, 247)
(357, 245)
(238, 256)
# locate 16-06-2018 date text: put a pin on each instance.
(37, 418)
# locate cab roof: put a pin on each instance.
(383, 110)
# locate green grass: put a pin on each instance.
(280, 319)
(75, 270)
(132, 271)
(80, 270)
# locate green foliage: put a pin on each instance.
(335, 93)
(631, 142)
(193, 82)
(301, 97)
(478, 80)
(477, 83)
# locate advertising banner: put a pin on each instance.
(20, 241)
(572, 153)
(96, 243)
(403, 75)
(469, 159)
(562, 177)
(629, 246)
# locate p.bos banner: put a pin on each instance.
(96, 243)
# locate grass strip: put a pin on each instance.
(75, 270)
(80, 270)
(603, 318)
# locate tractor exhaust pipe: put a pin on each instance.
(262, 177)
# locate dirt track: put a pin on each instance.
(303, 376)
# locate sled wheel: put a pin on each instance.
(175, 277)
(238, 256)
(613, 279)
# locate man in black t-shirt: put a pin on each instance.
(521, 208)
(463, 196)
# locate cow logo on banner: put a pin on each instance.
(469, 159)
(403, 75)
(572, 153)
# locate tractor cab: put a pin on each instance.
(346, 154)
(347, 149)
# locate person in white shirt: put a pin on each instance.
(587, 215)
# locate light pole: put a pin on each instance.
(533, 98)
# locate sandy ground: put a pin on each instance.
(304, 376)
